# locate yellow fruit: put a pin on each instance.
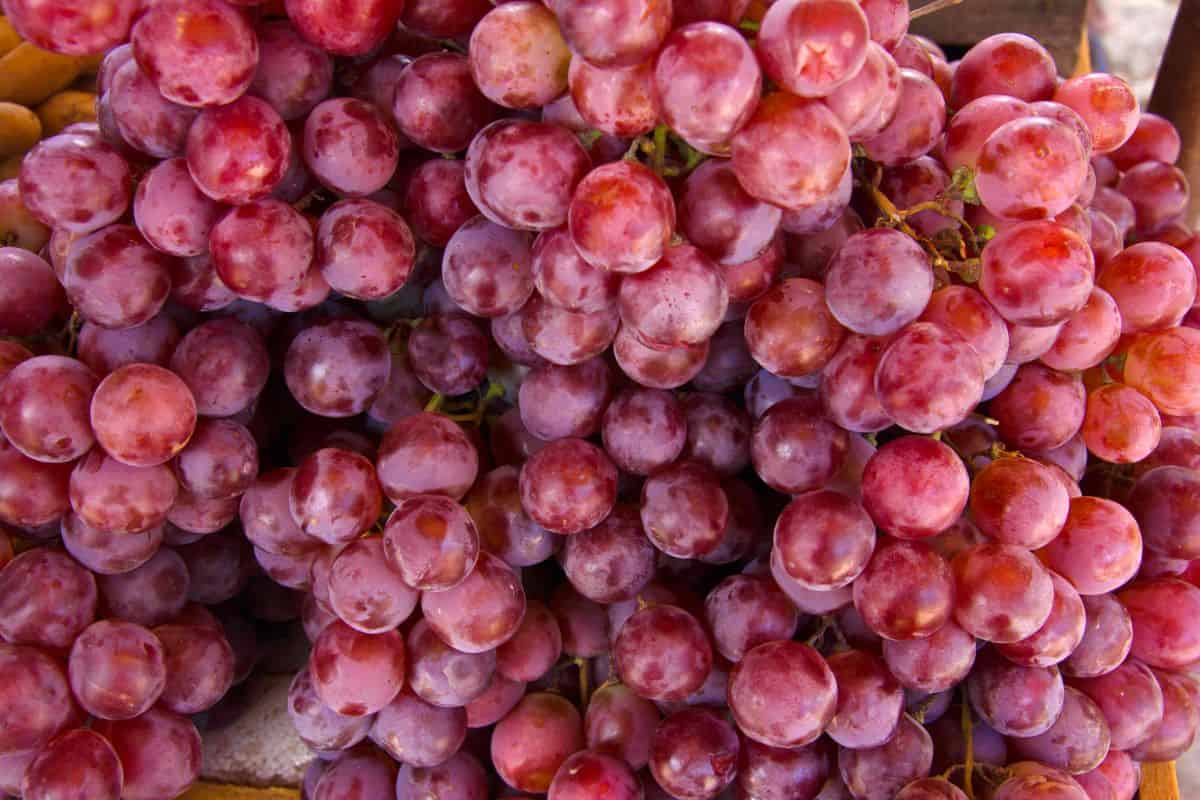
(18, 227)
(9, 38)
(20, 129)
(10, 167)
(66, 108)
(28, 74)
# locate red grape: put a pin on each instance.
(621, 217)
(878, 282)
(662, 653)
(293, 75)
(906, 591)
(43, 408)
(78, 763)
(460, 778)
(1106, 103)
(656, 368)
(114, 279)
(974, 122)
(782, 694)
(432, 542)
(868, 102)
(1041, 409)
(1099, 548)
(354, 673)
(1159, 193)
(1015, 700)
(1088, 336)
(349, 146)
(436, 103)
(1008, 64)
(1003, 594)
(718, 216)
(934, 664)
(695, 754)
(1131, 700)
(568, 486)
(524, 33)
(145, 119)
(917, 125)
(823, 540)
(159, 753)
(534, 739)
(1120, 425)
(75, 182)
(1164, 614)
(417, 733)
(879, 772)
(1017, 501)
(345, 28)
(613, 33)
(810, 47)
(143, 415)
(482, 612)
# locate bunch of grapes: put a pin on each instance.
(629, 399)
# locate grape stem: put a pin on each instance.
(749, 25)
(434, 404)
(584, 679)
(933, 8)
(660, 150)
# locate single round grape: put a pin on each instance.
(143, 415)
(1041, 409)
(1154, 139)
(621, 217)
(917, 125)
(448, 353)
(1162, 502)
(717, 215)
(847, 390)
(335, 496)
(75, 182)
(1165, 366)
(349, 146)
(684, 510)
(118, 498)
(906, 591)
(967, 312)
(974, 122)
(437, 200)
(316, 724)
(1018, 501)
(792, 152)
(566, 337)
(78, 763)
(426, 454)
(879, 281)
(195, 285)
(1003, 592)
(487, 268)
(238, 153)
(618, 102)
(718, 433)
(417, 733)
(106, 349)
(159, 753)
(365, 591)
(1088, 336)
(930, 789)
(776, 773)
(590, 773)
(33, 297)
(811, 48)
(1077, 741)
(108, 553)
(915, 487)
(877, 773)
(46, 599)
(823, 540)
(43, 408)
(363, 249)
(790, 331)
(533, 649)
(336, 369)
(1032, 263)
(643, 430)
(507, 158)
(794, 450)
(267, 519)
(1099, 548)
(695, 754)
(568, 486)
(293, 75)
(564, 279)
(21, 228)
(199, 54)
(1106, 103)
(145, 119)
(708, 82)
(745, 611)
(480, 613)
(680, 301)
(437, 104)
(870, 701)
(200, 667)
(657, 368)
(1153, 285)
(1179, 447)
(748, 280)
(1131, 700)
(263, 251)
(460, 778)
(1016, 701)
(534, 739)
(611, 562)
(354, 673)
(225, 364)
(345, 29)
(782, 694)
(920, 397)
(432, 542)
(526, 34)
(621, 723)
(1005, 64)
(1051, 167)
(439, 19)
(220, 460)
(1159, 193)
(1162, 611)
(1175, 734)
(114, 279)
(662, 653)
(32, 493)
(613, 33)
(934, 664)
(869, 101)
(1120, 425)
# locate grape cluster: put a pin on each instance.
(628, 399)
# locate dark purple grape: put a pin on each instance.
(336, 369)
(437, 105)
(695, 754)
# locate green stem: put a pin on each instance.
(968, 729)
(434, 404)
(749, 25)
(660, 149)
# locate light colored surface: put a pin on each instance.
(1134, 34)
(260, 748)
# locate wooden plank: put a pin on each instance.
(1159, 781)
(224, 791)
(1177, 94)
(1054, 23)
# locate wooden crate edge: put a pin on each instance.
(1159, 781)
(223, 791)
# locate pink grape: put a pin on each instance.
(145, 119)
(1106, 103)
(811, 48)
(345, 29)
(480, 613)
(920, 397)
(916, 126)
(782, 694)
(1051, 167)
(906, 591)
(75, 182)
(354, 673)
(525, 33)
(621, 203)
(613, 33)
(159, 753)
(436, 103)
(293, 75)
